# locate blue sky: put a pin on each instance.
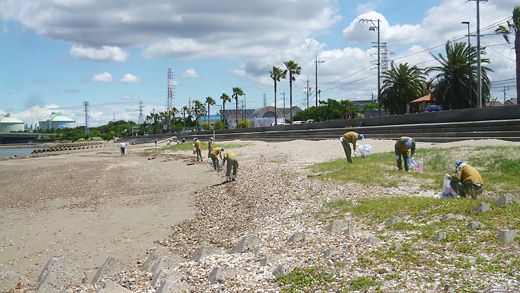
(56, 54)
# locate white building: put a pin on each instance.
(57, 121)
(10, 124)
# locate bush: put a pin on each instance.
(243, 124)
(218, 125)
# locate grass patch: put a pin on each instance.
(303, 279)
(189, 147)
(498, 165)
(362, 283)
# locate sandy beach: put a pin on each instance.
(88, 205)
(91, 204)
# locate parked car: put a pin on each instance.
(433, 108)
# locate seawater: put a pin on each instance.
(11, 152)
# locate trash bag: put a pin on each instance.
(448, 191)
(194, 150)
(365, 150)
(415, 165)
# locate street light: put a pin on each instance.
(469, 62)
(373, 28)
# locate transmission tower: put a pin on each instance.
(86, 116)
(169, 101)
(385, 56)
(265, 101)
(141, 105)
(307, 90)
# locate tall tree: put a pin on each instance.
(451, 84)
(210, 102)
(402, 84)
(277, 74)
(225, 98)
(174, 112)
(513, 28)
(198, 110)
(184, 110)
(294, 69)
(236, 93)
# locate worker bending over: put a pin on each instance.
(213, 155)
(466, 181)
(232, 162)
(401, 149)
(348, 138)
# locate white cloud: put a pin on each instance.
(103, 77)
(126, 97)
(366, 7)
(37, 113)
(359, 30)
(130, 78)
(190, 73)
(106, 53)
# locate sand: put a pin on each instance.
(91, 204)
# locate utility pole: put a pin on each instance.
(469, 62)
(504, 94)
(86, 116)
(479, 78)
(373, 28)
(317, 62)
(283, 94)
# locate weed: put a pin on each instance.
(362, 283)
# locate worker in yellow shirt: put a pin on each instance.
(348, 138)
(210, 146)
(466, 181)
(198, 148)
(401, 150)
(232, 162)
(213, 155)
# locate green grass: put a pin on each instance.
(499, 167)
(189, 147)
(305, 278)
(317, 279)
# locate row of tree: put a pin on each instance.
(453, 84)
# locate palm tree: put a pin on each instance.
(237, 92)
(277, 74)
(209, 101)
(184, 110)
(225, 98)
(451, 84)
(513, 28)
(293, 68)
(174, 112)
(198, 109)
(402, 84)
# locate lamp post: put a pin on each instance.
(373, 28)
(469, 63)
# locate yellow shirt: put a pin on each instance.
(198, 144)
(467, 175)
(229, 155)
(351, 137)
(402, 146)
(216, 152)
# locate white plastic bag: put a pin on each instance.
(418, 166)
(365, 150)
(448, 191)
(194, 150)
